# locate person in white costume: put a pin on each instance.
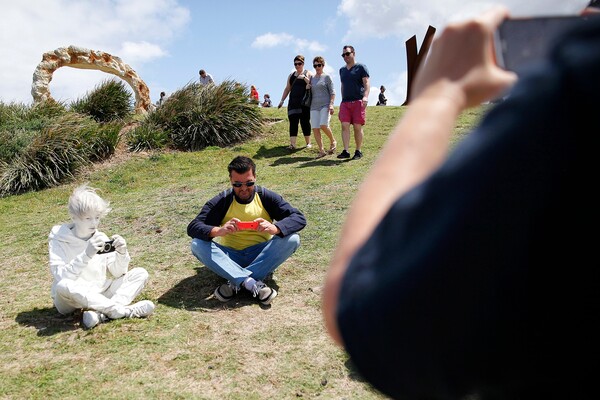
(98, 283)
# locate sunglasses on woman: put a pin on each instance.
(317, 65)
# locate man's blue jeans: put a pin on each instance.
(256, 261)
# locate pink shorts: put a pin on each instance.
(352, 112)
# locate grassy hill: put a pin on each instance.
(193, 347)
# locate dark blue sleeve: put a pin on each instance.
(211, 215)
(286, 217)
(364, 71)
(475, 280)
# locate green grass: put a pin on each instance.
(193, 346)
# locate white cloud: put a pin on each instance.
(402, 18)
(134, 30)
(406, 18)
(140, 52)
(301, 45)
(272, 40)
(269, 40)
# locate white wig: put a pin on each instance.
(85, 200)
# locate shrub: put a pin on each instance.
(147, 136)
(19, 124)
(13, 141)
(109, 101)
(49, 157)
(20, 116)
(198, 116)
(12, 113)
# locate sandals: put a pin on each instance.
(321, 155)
(291, 147)
(332, 147)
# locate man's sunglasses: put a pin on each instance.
(239, 184)
(317, 65)
(346, 54)
(298, 63)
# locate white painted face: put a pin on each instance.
(86, 225)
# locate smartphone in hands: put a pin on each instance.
(520, 42)
(247, 225)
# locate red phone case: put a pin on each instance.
(244, 225)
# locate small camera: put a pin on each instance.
(108, 247)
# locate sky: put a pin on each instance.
(254, 42)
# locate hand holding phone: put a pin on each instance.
(520, 42)
(247, 225)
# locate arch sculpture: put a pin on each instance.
(79, 57)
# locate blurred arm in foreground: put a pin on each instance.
(444, 280)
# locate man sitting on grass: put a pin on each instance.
(89, 269)
(245, 255)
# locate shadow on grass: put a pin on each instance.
(323, 161)
(282, 155)
(196, 293)
(48, 321)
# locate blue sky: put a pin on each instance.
(167, 41)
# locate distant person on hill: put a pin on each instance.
(205, 78)
(254, 97)
(90, 270)
(382, 100)
(245, 255)
(458, 272)
(163, 98)
(267, 101)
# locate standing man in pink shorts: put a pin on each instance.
(355, 89)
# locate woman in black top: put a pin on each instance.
(296, 86)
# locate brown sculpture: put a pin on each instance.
(415, 58)
(78, 57)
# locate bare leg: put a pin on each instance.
(332, 142)
(346, 135)
(318, 139)
(358, 135)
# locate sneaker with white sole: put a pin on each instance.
(265, 294)
(226, 292)
(140, 309)
(92, 318)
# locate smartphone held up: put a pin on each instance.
(520, 42)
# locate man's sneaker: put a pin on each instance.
(92, 318)
(226, 292)
(265, 294)
(140, 309)
(357, 155)
(344, 154)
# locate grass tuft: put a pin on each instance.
(199, 116)
(109, 101)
